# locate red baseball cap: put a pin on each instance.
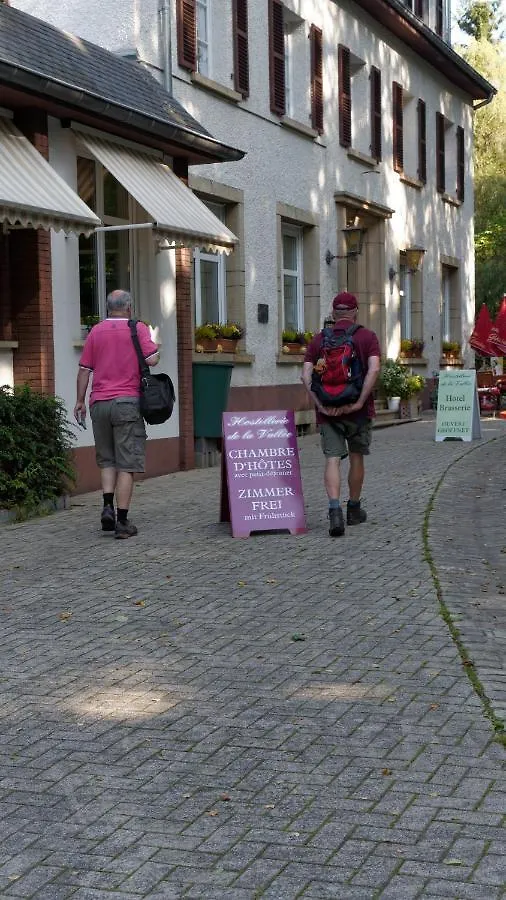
(344, 300)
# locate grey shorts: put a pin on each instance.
(120, 435)
(344, 436)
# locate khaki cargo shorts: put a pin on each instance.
(343, 436)
(120, 435)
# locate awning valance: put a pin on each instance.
(32, 194)
(176, 212)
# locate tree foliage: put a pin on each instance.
(481, 19)
(490, 174)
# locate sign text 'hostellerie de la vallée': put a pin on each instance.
(263, 472)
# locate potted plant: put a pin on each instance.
(406, 350)
(410, 398)
(294, 341)
(451, 350)
(417, 346)
(87, 323)
(393, 381)
(216, 337)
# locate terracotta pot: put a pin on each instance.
(292, 347)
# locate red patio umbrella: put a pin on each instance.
(479, 339)
(497, 338)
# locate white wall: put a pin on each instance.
(284, 166)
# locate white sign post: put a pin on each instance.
(458, 408)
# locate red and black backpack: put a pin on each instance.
(338, 375)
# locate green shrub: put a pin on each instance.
(393, 379)
(35, 445)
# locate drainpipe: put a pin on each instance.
(164, 13)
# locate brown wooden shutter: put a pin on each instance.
(315, 37)
(440, 152)
(460, 163)
(277, 57)
(398, 127)
(439, 17)
(422, 141)
(186, 34)
(419, 8)
(344, 77)
(375, 113)
(241, 52)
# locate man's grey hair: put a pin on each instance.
(118, 301)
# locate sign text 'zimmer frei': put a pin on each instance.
(261, 484)
(458, 415)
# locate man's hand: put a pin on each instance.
(80, 412)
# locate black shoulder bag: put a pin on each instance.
(157, 391)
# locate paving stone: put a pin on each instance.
(358, 762)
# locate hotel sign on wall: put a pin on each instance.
(261, 484)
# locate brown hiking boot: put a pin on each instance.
(355, 515)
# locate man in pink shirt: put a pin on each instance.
(118, 427)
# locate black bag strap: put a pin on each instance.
(132, 324)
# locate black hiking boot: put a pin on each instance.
(355, 515)
(125, 529)
(336, 522)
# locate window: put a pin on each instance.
(422, 141)
(344, 76)
(419, 8)
(405, 295)
(277, 57)
(439, 17)
(105, 258)
(446, 295)
(292, 278)
(315, 36)
(440, 153)
(202, 25)
(460, 163)
(241, 50)
(210, 280)
(375, 113)
(451, 321)
(186, 34)
(397, 126)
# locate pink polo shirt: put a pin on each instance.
(110, 354)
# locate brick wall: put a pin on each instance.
(5, 295)
(30, 283)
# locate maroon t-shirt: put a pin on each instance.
(366, 345)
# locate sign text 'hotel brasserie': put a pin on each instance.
(263, 472)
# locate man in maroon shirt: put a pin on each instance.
(345, 430)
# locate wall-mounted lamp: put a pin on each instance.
(354, 239)
(414, 258)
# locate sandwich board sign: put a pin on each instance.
(458, 410)
(261, 488)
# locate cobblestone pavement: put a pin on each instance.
(164, 735)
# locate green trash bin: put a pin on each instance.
(211, 385)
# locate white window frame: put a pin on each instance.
(204, 7)
(296, 231)
(446, 294)
(218, 259)
(406, 295)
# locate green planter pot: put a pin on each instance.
(211, 386)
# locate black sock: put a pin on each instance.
(122, 515)
(108, 499)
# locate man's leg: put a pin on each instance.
(356, 476)
(124, 489)
(334, 447)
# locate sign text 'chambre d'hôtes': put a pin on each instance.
(263, 472)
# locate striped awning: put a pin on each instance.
(32, 194)
(175, 212)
